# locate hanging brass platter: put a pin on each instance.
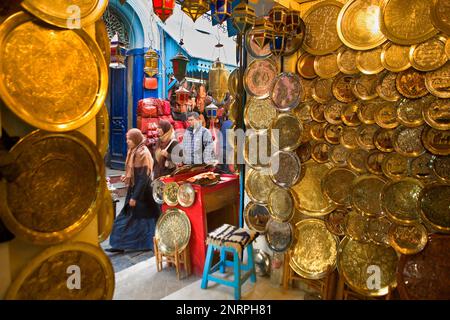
(256, 217)
(233, 82)
(356, 261)
(253, 48)
(281, 204)
(186, 195)
(349, 137)
(173, 229)
(102, 130)
(170, 194)
(336, 185)
(441, 167)
(317, 112)
(308, 194)
(434, 204)
(436, 141)
(438, 82)
(356, 226)
(394, 57)
(257, 149)
(258, 185)
(395, 166)
(409, 112)
(346, 60)
(68, 71)
(59, 188)
(315, 252)
(369, 62)
(378, 230)
(383, 140)
(367, 109)
(440, 11)
(304, 152)
(279, 235)
(349, 115)
(411, 84)
(374, 162)
(357, 160)
(386, 115)
(429, 55)
(422, 168)
(259, 114)
(409, 24)
(305, 66)
(407, 141)
(408, 239)
(320, 152)
(285, 168)
(158, 187)
(321, 35)
(366, 135)
(342, 89)
(322, 90)
(333, 112)
(286, 91)
(258, 77)
(289, 134)
(339, 155)
(365, 86)
(386, 87)
(317, 131)
(332, 133)
(105, 217)
(326, 66)
(303, 111)
(366, 193)
(47, 275)
(437, 114)
(335, 221)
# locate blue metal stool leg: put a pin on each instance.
(223, 256)
(251, 263)
(237, 275)
(207, 266)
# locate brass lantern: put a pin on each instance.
(243, 17)
(117, 53)
(221, 10)
(277, 16)
(179, 64)
(278, 43)
(263, 32)
(151, 62)
(182, 96)
(218, 81)
(195, 8)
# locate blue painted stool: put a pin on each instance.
(225, 239)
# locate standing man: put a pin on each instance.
(198, 146)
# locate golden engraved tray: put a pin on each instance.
(378, 230)
(258, 185)
(438, 82)
(173, 230)
(57, 81)
(315, 252)
(346, 60)
(411, 84)
(335, 221)
(369, 62)
(61, 13)
(289, 132)
(407, 141)
(441, 168)
(349, 115)
(422, 168)
(434, 203)
(336, 185)
(409, 24)
(349, 137)
(386, 115)
(339, 155)
(259, 114)
(409, 112)
(286, 91)
(437, 114)
(357, 160)
(354, 264)
(256, 217)
(374, 162)
(254, 49)
(158, 190)
(322, 90)
(342, 89)
(170, 194)
(281, 204)
(436, 141)
(408, 239)
(395, 166)
(366, 135)
(186, 195)
(258, 77)
(59, 188)
(429, 55)
(257, 149)
(440, 12)
(366, 192)
(105, 217)
(285, 168)
(279, 235)
(47, 275)
(326, 66)
(367, 109)
(308, 192)
(386, 87)
(365, 87)
(383, 140)
(320, 152)
(102, 130)
(333, 111)
(394, 57)
(356, 226)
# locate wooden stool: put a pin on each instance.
(177, 258)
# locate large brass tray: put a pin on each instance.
(407, 141)
(434, 204)
(173, 231)
(408, 239)
(440, 12)
(57, 81)
(366, 193)
(47, 275)
(286, 91)
(436, 141)
(289, 132)
(315, 252)
(285, 168)
(438, 81)
(279, 235)
(102, 130)
(281, 204)
(258, 77)
(429, 55)
(336, 185)
(258, 185)
(58, 190)
(259, 114)
(359, 262)
(437, 114)
(105, 217)
(256, 217)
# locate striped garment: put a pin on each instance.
(198, 146)
(231, 236)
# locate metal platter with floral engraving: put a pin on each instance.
(186, 195)
(411, 84)
(342, 89)
(386, 88)
(437, 114)
(407, 141)
(369, 62)
(326, 66)
(394, 57)
(438, 81)
(428, 55)
(315, 252)
(285, 168)
(259, 114)
(279, 235)
(436, 141)
(337, 183)
(356, 226)
(45, 277)
(258, 185)
(173, 231)
(170, 193)
(258, 77)
(408, 239)
(58, 189)
(286, 132)
(395, 166)
(440, 12)
(409, 112)
(281, 204)
(285, 91)
(434, 203)
(366, 193)
(365, 86)
(158, 190)
(322, 90)
(256, 217)
(346, 60)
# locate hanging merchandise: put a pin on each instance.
(221, 10)
(278, 15)
(179, 64)
(195, 8)
(218, 81)
(263, 32)
(151, 62)
(163, 8)
(243, 17)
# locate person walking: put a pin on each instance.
(163, 153)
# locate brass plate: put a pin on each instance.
(356, 226)
(447, 48)
(259, 114)
(303, 111)
(186, 195)
(173, 229)
(8, 8)
(411, 84)
(440, 11)
(438, 82)
(386, 115)
(383, 140)
(257, 149)
(102, 38)
(308, 192)
(60, 13)
(374, 162)
(321, 35)
(408, 239)
(346, 61)
(332, 133)
(366, 193)
(170, 194)
(253, 48)
(429, 55)
(365, 87)
(317, 112)
(285, 168)
(322, 90)
(406, 24)
(338, 155)
(436, 141)
(335, 221)
(369, 62)
(367, 110)
(158, 190)
(256, 217)
(105, 217)
(349, 115)
(279, 235)
(233, 80)
(357, 160)
(422, 167)
(305, 66)
(342, 89)
(59, 188)
(50, 57)
(281, 204)
(437, 114)
(365, 138)
(286, 91)
(289, 132)
(349, 137)
(317, 131)
(336, 185)
(320, 152)
(47, 275)
(306, 136)
(306, 93)
(434, 203)
(333, 112)
(102, 130)
(409, 112)
(394, 57)
(395, 166)
(315, 252)
(407, 141)
(326, 66)
(378, 230)
(355, 263)
(358, 25)
(304, 152)
(258, 185)
(258, 77)
(399, 200)
(441, 167)
(386, 87)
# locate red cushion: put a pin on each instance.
(166, 108)
(148, 123)
(149, 111)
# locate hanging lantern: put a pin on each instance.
(278, 43)
(182, 96)
(117, 53)
(218, 81)
(243, 17)
(195, 8)
(151, 62)
(277, 16)
(221, 10)
(163, 8)
(211, 111)
(263, 32)
(179, 64)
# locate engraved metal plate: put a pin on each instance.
(337, 183)
(357, 160)
(158, 191)
(322, 90)
(438, 81)
(383, 140)
(186, 195)
(346, 61)
(258, 185)
(407, 141)
(436, 141)
(342, 89)
(437, 114)
(285, 168)
(335, 221)
(281, 204)
(428, 55)
(369, 62)
(378, 230)
(258, 77)
(356, 226)
(409, 112)
(305, 66)
(386, 115)
(366, 193)
(170, 194)
(434, 202)
(395, 57)
(286, 132)
(326, 66)
(411, 84)
(374, 162)
(259, 114)
(440, 13)
(349, 114)
(386, 88)
(279, 235)
(365, 87)
(320, 152)
(441, 167)
(395, 166)
(173, 231)
(408, 239)
(286, 91)
(256, 217)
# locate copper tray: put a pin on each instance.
(281, 204)
(336, 185)
(170, 194)
(279, 235)
(285, 91)
(258, 185)
(285, 168)
(366, 193)
(256, 217)
(434, 204)
(186, 195)
(408, 239)
(258, 77)
(173, 231)
(105, 217)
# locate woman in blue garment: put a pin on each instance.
(134, 227)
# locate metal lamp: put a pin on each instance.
(218, 81)
(221, 10)
(179, 64)
(151, 62)
(195, 8)
(243, 17)
(163, 8)
(263, 32)
(117, 53)
(278, 15)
